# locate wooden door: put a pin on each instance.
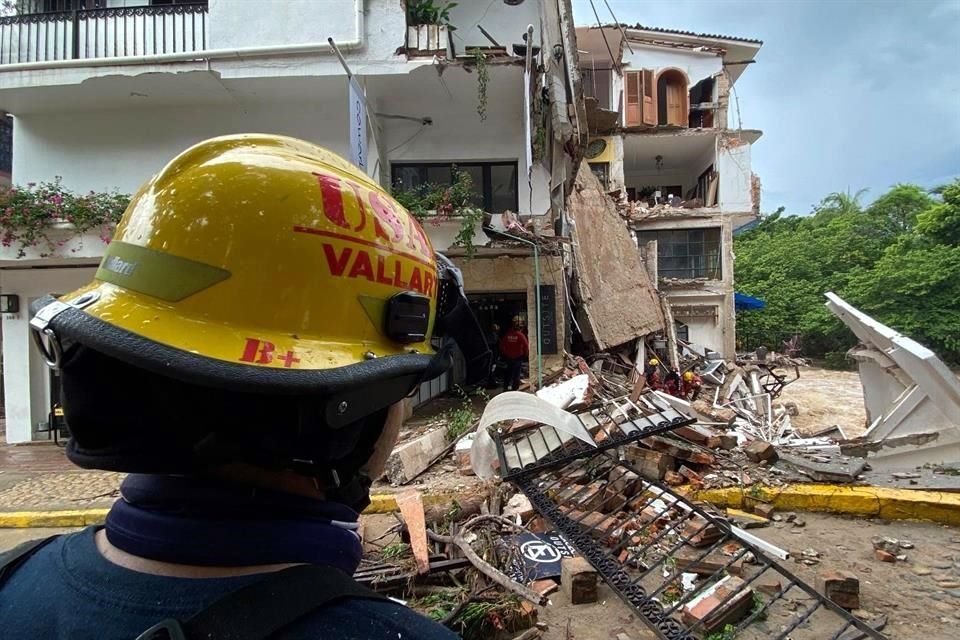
(634, 108)
(649, 98)
(676, 113)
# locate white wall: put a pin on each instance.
(107, 150)
(25, 377)
(696, 65)
(733, 163)
(505, 23)
(247, 23)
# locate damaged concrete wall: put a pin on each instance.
(482, 274)
(733, 164)
(912, 398)
(617, 298)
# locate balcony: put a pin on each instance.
(108, 32)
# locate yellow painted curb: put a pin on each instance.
(379, 503)
(65, 518)
(874, 502)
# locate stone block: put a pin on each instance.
(760, 451)
(578, 580)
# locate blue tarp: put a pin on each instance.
(743, 302)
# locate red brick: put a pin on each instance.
(725, 602)
(674, 479)
(884, 556)
(544, 587)
(690, 474)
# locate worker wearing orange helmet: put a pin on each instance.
(243, 353)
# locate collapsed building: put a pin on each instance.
(658, 103)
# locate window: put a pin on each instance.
(601, 170)
(686, 253)
(494, 183)
(596, 84)
(6, 144)
(641, 98)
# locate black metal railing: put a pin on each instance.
(103, 33)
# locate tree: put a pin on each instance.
(898, 208)
(941, 222)
(898, 260)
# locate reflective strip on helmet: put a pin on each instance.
(154, 273)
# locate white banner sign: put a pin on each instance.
(358, 125)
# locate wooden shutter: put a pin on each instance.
(649, 98)
(634, 91)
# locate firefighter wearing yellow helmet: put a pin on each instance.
(243, 353)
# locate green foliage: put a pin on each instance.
(897, 260)
(28, 213)
(941, 222)
(462, 418)
(442, 202)
(395, 550)
(726, 634)
(483, 78)
(427, 12)
(437, 606)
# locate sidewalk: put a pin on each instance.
(39, 476)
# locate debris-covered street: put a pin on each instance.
(494, 331)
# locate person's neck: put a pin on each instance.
(172, 570)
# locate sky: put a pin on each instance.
(849, 94)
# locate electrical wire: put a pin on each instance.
(616, 63)
(619, 26)
(422, 128)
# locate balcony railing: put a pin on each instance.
(103, 33)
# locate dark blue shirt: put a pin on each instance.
(67, 590)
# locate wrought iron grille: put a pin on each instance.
(115, 32)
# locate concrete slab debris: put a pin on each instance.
(619, 302)
(912, 399)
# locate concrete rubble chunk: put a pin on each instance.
(610, 273)
(578, 580)
(652, 465)
(410, 458)
(760, 451)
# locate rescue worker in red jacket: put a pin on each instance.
(690, 387)
(515, 350)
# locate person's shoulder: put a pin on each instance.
(358, 618)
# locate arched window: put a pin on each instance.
(673, 99)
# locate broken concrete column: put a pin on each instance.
(578, 580)
(842, 587)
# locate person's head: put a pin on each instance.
(515, 323)
(495, 327)
(688, 376)
(240, 320)
(654, 362)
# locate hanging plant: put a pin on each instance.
(28, 214)
(483, 77)
(436, 203)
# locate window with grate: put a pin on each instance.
(687, 253)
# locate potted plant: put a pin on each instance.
(43, 218)
(428, 24)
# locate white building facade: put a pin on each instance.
(102, 94)
(661, 142)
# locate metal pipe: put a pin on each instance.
(536, 280)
